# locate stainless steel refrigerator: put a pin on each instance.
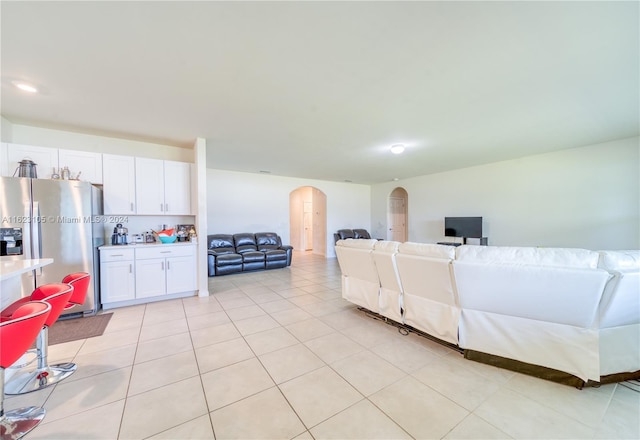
(59, 219)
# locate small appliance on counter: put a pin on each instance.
(119, 235)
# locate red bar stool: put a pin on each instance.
(57, 295)
(80, 282)
(16, 336)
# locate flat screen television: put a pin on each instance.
(468, 227)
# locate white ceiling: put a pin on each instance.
(322, 89)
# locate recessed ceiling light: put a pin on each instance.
(395, 179)
(348, 181)
(397, 148)
(25, 87)
(265, 172)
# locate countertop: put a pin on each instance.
(14, 268)
(145, 245)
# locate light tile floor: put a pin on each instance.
(279, 355)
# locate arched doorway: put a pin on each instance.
(308, 220)
(397, 215)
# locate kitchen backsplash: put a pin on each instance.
(139, 224)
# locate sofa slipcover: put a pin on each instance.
(390, 301)
(533, 305)
(430, 299)
(619, 326)
(360, 283)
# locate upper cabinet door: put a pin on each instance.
(119, 188)
(177, 188)
(150, 186)
(88, 164)
(46, 158)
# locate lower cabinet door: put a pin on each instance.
(181, 275)
(117, 281)
(150, 278)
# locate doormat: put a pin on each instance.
(78, 328)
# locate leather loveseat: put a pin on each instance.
(344, 234)
(232, 253)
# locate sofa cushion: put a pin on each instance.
(252, 256)
(275, 255)
(221, 243)
(343, 234)
(620, 260)
(267, 241)
(556, 257)
(427, 250)
(245, 242)
(228, 259)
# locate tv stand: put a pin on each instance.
(484, 241)
(449, 243)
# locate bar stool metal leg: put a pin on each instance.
(17, 423)
(44, 375)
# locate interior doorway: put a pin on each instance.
(397, 215)
(308, 220)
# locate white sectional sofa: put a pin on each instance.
(360, 282)
(534, 305)
(429, 295)
(385, 259)
(619, 313)
(572, 311)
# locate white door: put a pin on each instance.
(45, 158)
(119, 184)
(181, 274)
(177, 188)
(117, 281)
(86, 163)
(150, 278)
(308, 226)
(397, 219)
(150, 186)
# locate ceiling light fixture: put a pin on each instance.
(25, 87)
(397, 148)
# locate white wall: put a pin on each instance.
(245, 202)
(44, 137)
(586, 197)
(6, 130)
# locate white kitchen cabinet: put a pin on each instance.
(164, 270)
(163, 187)
(117, 275)
(119, 184)
(46, 158)
(177, 188)
(137, 274)
(84, 162)
(150, 278)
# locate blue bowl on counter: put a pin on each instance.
(167, 238)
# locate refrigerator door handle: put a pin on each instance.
(37, 233)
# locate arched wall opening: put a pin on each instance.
(398, 215)
(308, 220)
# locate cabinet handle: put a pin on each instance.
(131, 268)
(131, 206)
(162, 265)
(161, 206)
(117, 255)
(166, 207)
(168, 266)
(165, 252)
